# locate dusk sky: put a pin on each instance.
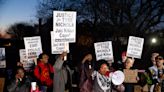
(13, 11)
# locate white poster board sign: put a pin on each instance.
(2, 58)
(22, 54)
(104, 50)
(135, 46)
(33, 46)
(28, 63)
(58, 47)
(64, 26)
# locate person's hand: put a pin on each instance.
(63, 55)
(18, 78)
(137, 78)
(120, 88)
(37, 89)
(88, 57)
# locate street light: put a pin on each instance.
(153, 40)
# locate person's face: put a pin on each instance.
(20, 73)
(19, 64)
(153, 58)
(159, 62)
(153, 61)
(129, 63)
(124, 58)
(45, 58)
(103, 69)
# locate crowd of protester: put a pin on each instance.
(59, 77)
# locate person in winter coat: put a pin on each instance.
(20, 83)
(44, 73)
(62, 76)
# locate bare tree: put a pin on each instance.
(120, 16)
(20, 30)
(46, 7)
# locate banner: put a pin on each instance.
(58, 47)
(104, 50)
(33, 46)
(64, 26)
(2, 58)
(135, 46)
(28, 63)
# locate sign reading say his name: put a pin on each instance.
(64, 26)
(104, 50)
(58, 47)
(135, 46)
(33, 46)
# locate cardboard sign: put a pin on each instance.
(104, 50)
(64, 26)
(104, 82)
(130, 76)
(135, 46)
(33, 46)
(58, 47)
(2, 58)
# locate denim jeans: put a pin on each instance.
(43, 88)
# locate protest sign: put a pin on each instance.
(58, 47)
(2, 58)
(64, 26)
(130, 76)
(28, 63)
(22, 54)
(33, 46)
(135, 46)
(104, 50)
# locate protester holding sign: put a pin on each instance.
(131, 75)
(85, 73)
(62, 76)
(44, 72)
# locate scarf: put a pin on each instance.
(103, 81)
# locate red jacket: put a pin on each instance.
(43, 73)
